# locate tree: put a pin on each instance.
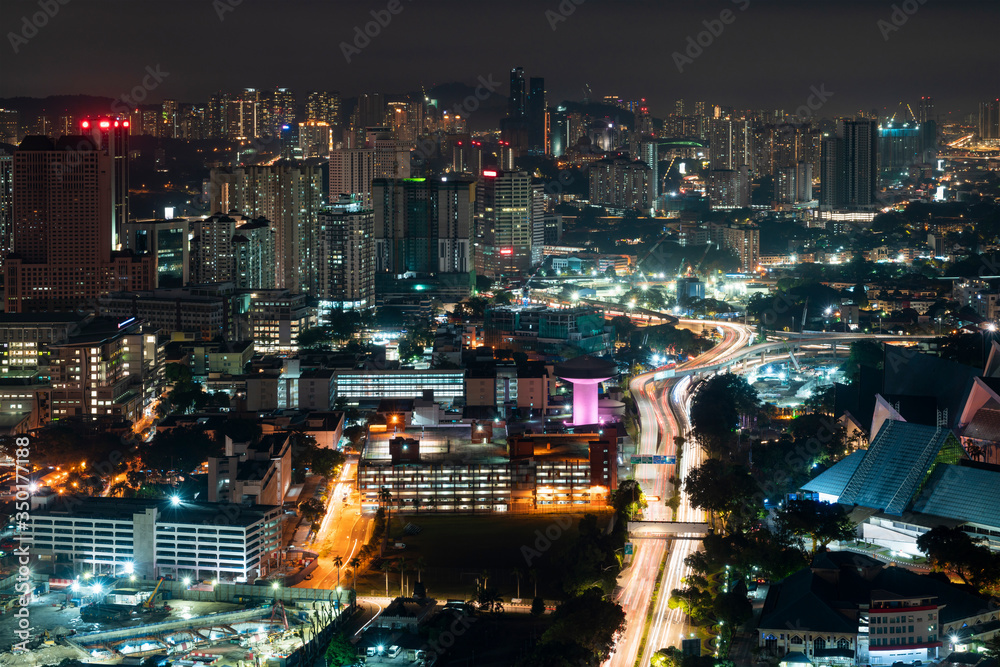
(341, 652)
(355, 563)
(628, 498)
(726, 491)
(955, 550)
(587, 620)
(863, 353)
(312, 510)
(722, 405)
(667, 657)
(823, 522)
(537, 606)
(338, 562)
(386, 566)
(314, 337)
(624, 327)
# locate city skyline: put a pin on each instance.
(886, 57)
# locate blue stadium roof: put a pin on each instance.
(896, 464)
(833, 481)
(964, 493)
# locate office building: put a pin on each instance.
(167, 241)
(360, 385)
(345, 256)
(282, 109)
(925, 110)
(535, 116)
(506, 386)
(289, 194)
(458, 469)
(620, 183)
(111, 134)
(517, 100)
(510, 227)
(324, 106)
(25, 339)
(154, 538)
(63, 234)
(424, 227)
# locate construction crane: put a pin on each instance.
(151, 600)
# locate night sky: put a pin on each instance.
(768, 56)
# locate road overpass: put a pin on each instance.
(676, 530)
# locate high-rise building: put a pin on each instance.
(517, 101)
(899, 146)
(989, 119)
(6, 202)
(315, 138)
(730, 144)
(213, 258)
(621, 183)
(368, 112)
(729, 188)
(352, 170)
(10, 126)
(282, 109)
(510, 226)
(424, 226)
(111, 135)
(167, 241)
(742, 240)
(345, 255)
(289, 194)
(535, 115)
(62, 243)
(793, 185)
(849, 171)
(325, 106)
(253, 254)
(925, 111)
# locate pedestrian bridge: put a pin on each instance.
(675, 530)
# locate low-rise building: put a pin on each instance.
(546, 330)
(849, 609)
(258, 473)
(155, 538)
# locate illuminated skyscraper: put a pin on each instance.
(111, 134)
(63, 232)
(345, 256)
(849, 170)
(517, 101)
(510, 226)
(989, 119)
(324, 106)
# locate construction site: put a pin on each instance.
(124, 621)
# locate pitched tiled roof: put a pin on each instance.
(962, 492)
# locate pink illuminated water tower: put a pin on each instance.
(585, 373)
